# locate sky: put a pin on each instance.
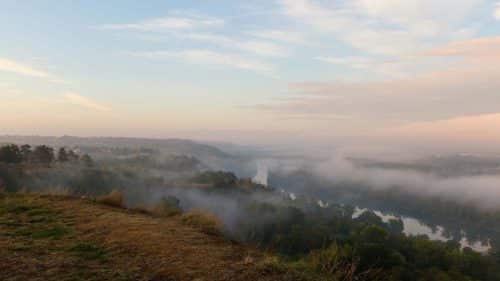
(252, 71)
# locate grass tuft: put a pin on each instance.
(18, 209)
(166, 208)
(141, 209)
(114, 199)
(54, 233)
(87, 251)
(205, 221)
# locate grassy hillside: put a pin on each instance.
(61, 238)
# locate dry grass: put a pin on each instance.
(60, 238)
(114, 199)
(38, 242)
(141, 209)
(165, 209)
(336, 263)
(205, 221)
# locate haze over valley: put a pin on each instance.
(287, 140)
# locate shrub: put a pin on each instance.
(339, 263)
(92, 182)
(114, 199)
(54, 233)
(8, 178)
(207, 222)
(141, 209)
(216, 178)
(167, 207)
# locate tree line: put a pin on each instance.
(329, 243)
(42, 154)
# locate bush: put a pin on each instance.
(207, 222)
(339, 263)
(92, 182)
(8, 178)
(216, 178)
(167, 207)
(114, 199)
(141, 209)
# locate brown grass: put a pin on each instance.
(333, 261)
(165, 209)
(79, 240)
(205, 221)
(141, 209)
(114, 199)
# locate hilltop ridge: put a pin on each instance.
(63, 238)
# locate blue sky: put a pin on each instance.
(218, 69)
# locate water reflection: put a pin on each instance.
(414, 227)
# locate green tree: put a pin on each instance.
(72, 156)
(62, 155)
(26, 152)
(8, 178)
(43, 154)
(10, 154)
(87, 160)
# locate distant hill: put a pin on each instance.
(174, 146)
(213, 157)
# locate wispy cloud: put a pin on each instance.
(168, 23)
(281, 35)
(12, 66)
(256, 47)
(351, 61)
(212, 58)
(383, 68)
(21, 68)
(425, 97)
(484, 52)
(84, 102)
(384, 27)
(480, 127)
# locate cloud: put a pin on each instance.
(211, 58)
(383, 27)
(22, 69)
(379, 68)
(85, 102)
(188, 26)
(8, 65)
(484, 127)
(429, 96)
(386, 68)
(352, 61)
(496, 11)
(347, 27)
(473, 49)
(411, 12)
(281, 35)
(256, 47)
(173, 22)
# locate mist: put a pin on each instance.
(482, 191)
(467, 179)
